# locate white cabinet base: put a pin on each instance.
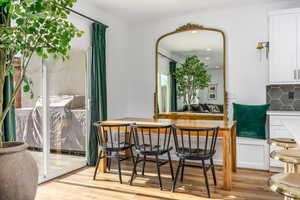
(251, 154)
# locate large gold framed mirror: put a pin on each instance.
(191, 74)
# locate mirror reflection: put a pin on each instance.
(191, 72)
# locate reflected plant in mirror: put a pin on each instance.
(191, 77)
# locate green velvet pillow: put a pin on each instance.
(251, 120)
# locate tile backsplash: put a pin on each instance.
(284, 97)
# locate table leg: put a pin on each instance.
(293, 168)
(286, 168)
(227, 160)
(102, 165)
(128, 152)
(233, 145)
(128, 141)
(296, 169)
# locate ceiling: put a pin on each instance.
(206, 45)
(141, 10)
(192, 41)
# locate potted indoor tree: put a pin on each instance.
(191, 76)
(27, 27)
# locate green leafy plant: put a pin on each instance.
(191, 77)
(31, 27)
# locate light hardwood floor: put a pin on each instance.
(247, 184)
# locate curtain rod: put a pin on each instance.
(168, 57)
(82, 15)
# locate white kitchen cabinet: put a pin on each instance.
(284, 38)
(278, 129)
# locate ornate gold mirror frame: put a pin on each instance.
(178, 115)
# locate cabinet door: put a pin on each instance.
(298, 47)
(283, 48)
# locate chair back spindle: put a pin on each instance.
(195, 141)
(151, 139)
(112, 137)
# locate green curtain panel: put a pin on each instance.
(173, 87)
(98, 87)
(9, 127)
(2, 13)
(251, 120)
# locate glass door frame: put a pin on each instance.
(46, 176)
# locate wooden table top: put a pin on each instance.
(178, 122)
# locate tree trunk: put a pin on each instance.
(17, 78)
(189, 107)
(2, 80)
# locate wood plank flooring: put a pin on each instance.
(247, 184)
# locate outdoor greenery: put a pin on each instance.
(32, 27)
(191, 77)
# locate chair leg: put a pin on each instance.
(134, 168)
(97, 165)
(182, 170)
(109, 164)
(144, 164)
(176, 176)
(206, 179)
(132, 158)
(213, 171)
(171, 167)
(158, 172)
(119, 167)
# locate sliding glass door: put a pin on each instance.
(29, 111)
(67, 112)
(53, 114)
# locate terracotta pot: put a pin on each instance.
(18, 172)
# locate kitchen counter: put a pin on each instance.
(284, 113)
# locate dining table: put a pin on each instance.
(227, 133)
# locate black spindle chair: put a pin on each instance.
(153, 141)
(112, 140)
(195, 144)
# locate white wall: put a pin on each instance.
(243, 26)
(64, 77)
(116, 39)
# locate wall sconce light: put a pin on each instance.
(263, 45)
